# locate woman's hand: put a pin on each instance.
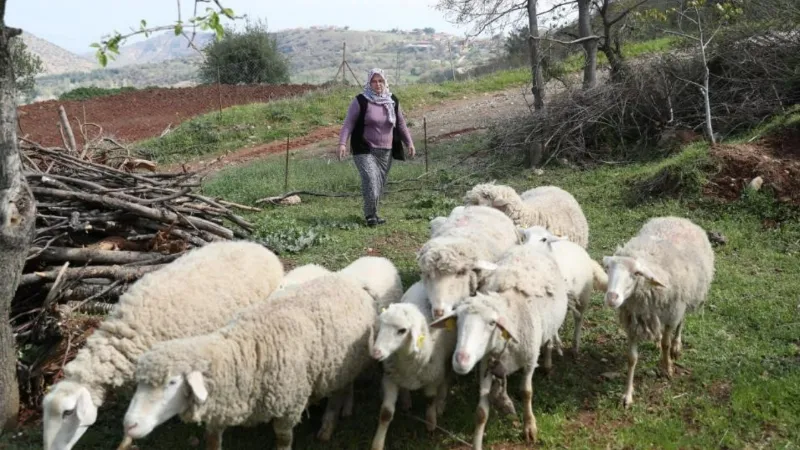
(412, 152)
(341, 151)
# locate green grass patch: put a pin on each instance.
(85, 93)
(575, 61)
(739, 381)
(257, 123)
(680, 175)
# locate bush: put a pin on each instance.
(85, 93)
(250, 56)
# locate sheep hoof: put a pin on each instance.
(627, 401)
(675, 351)
(325, 432)
(530, 433)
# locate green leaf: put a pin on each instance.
(101, 58)
(228, 12)
(94, 45)
(178, 29)
(144, 23)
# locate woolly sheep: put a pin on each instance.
(520, 308)
(436, 222)
(301, 274)
(659, 275)
(449, 259)
(267, 364)
(378, 276)
(547, 206)
(581, 274)
(196, 293)
(413, 356)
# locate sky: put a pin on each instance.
(74, 24)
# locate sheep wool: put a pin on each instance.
(267, 364)
(658, 276)
(547, 206)
(448, 259)
(196, 293)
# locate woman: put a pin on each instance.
(377, 131)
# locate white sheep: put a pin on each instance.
(659, 275)
(547, 206)
(438, 221)
(378, 276)
(266, 365)
(301, 274)
(196, 293)
(581, 274)
(413, 356)
(519, 309)
(449, 259)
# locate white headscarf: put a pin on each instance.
(384, 98)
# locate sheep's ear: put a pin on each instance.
(506, 330)
(84, 408)
(499, 202)
(448, 321)
(645, 272)
(197, 384)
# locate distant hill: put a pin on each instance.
(57, 60)
(314, 54)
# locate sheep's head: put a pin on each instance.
(482, 329)
(451, 270)
(623, 274)
(400, 326)
(171, 379)
(497, 196)
(68, 412)
(540, 236)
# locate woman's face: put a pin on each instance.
(377, 83)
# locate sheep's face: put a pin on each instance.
(446, 289)
(540, 237)
(400, 329)
(153, 405)
(481, 331)
(623, 274)
(68, 412)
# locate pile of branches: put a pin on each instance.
(657, 105)
(98, 229)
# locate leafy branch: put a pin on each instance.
(212, 20)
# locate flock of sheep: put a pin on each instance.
(223, 337)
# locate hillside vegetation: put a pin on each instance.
(314, 55)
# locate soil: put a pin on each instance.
(137, 115)
(775, 158)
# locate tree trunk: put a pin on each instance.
(17, 220)
(589, 46)
(536, 149)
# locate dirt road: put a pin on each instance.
(445, 118)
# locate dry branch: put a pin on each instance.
(121, 273)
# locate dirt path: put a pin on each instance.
(445, 119)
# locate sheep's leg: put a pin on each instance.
(527, 399)
(431, 392)
(677, 344)
(482, 413)
(633, 357)
(577, 314)
(331, 413)
(390, 391)
(548, 357)
(666, 350)
(441, 397)
(214, 438)
(405, 400)
(559, 346)
(347, 408)
(283, 432)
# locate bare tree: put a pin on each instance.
(610, 41)
(589, 43)
(17, 204)
(488, 14)
(17, 220)
(691, 12)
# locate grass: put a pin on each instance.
(739, 386)
(247, 125)
(575, 61)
